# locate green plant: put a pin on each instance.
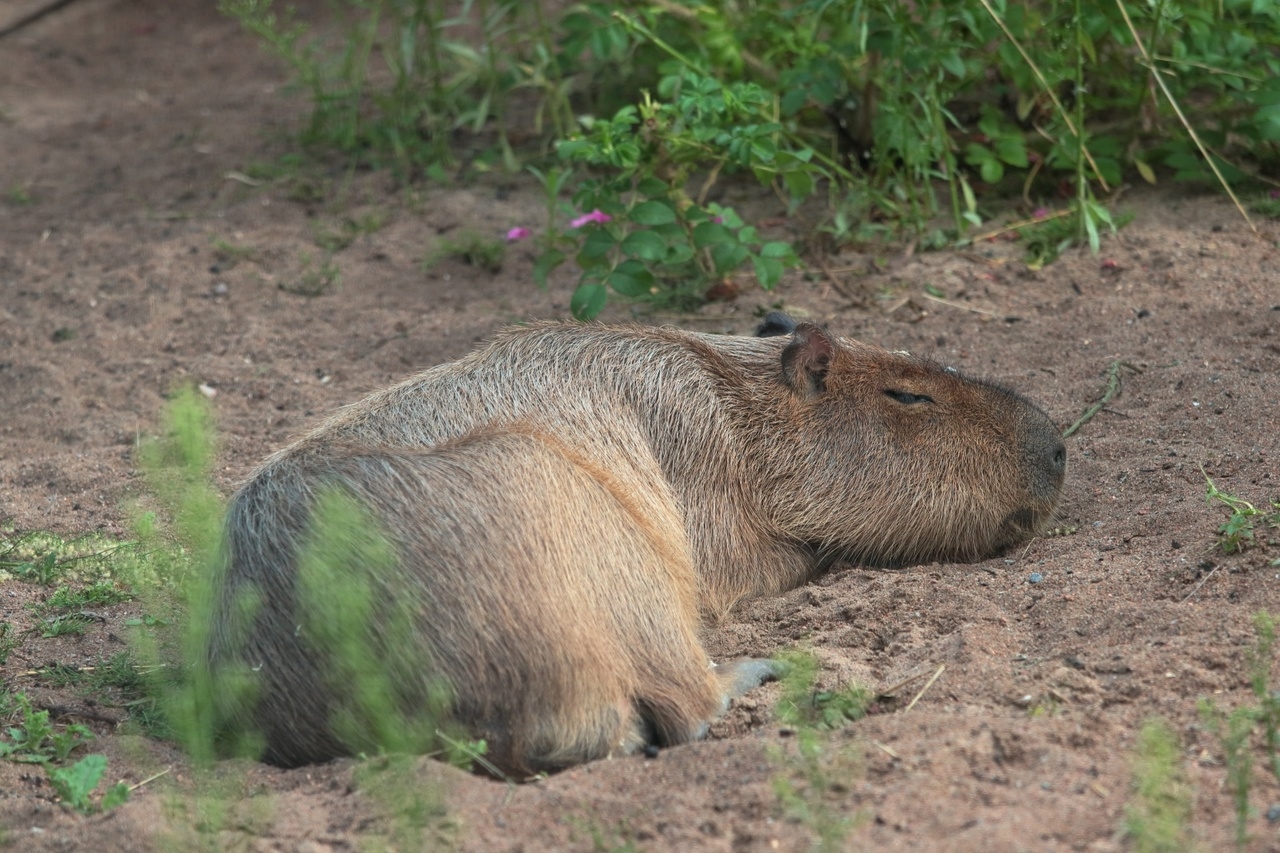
(1158, 814)
(1236, 729)
(813, 777)
(75, 785)
(645, 237)
(95, 594)
(803, 705)
(393, 85)
(71, 624)
(472, 248)
(314, 279)
(34, 740)
(1237, 532)
(8, 642)
(346, 232)
(229, 254)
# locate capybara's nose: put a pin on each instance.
(1059, 459)
(1052, 469)
(1047, 457)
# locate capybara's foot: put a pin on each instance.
(739, 676)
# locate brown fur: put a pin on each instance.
(569, 504)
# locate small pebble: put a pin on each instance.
(650, 750)
(1035, 577)
(1273, 813)
(220, 289)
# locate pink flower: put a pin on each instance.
(594, 216)
(719, 220)
(517, 234)
(1040, 213)
(1274, 193)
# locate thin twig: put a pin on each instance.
(960, 307)
(1014, 226)
(892, 689)
(1178, 111)
(474, 756)
(928, 683)
(153, 777)
(885, 749)
(1113, 388)
(836, 284)
(33, 16)
(1203, 580)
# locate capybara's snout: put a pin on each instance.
(1045, 465)
(1046, 457)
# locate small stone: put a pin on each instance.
(220, 289)
(1273, 813)
(651, 750)
(1035, 577)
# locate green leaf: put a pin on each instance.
(599, 243)
(116, 795)
(799, 182)
(777, 250)
(652, 187)
(710, 233)
(728, 256)
(74, 784)
(992, 171)
(630, 282)
(1012, 150)
(645, 245)
(546, 262)
(768, 272)
(679, 253)
(652, 213)
(588, 301)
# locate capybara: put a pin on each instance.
(566, 508)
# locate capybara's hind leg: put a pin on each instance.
(739, 676)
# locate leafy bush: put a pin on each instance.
(882, 104)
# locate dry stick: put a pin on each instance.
(1155, 72)
(1203, 580)
(887, 751)
(35, 15)
(836, 284)
(928, 683)
(474, 756)
(1113, 388)
(1014, 226)
(957, 305)
(153, 777)
(1048, 90)
(892, 690)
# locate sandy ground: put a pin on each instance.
(122, 124)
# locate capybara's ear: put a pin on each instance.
(775, 324)
(806, 359)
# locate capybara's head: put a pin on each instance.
(901, 460)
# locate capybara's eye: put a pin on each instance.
(908, 398)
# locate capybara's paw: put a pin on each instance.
(739, 676)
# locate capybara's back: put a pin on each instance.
(551, 517)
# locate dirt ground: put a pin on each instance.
(126, 131)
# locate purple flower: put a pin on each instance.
(594, 216)
(1040, 213)
(719, 220)
(517, 234)
(1274, 193)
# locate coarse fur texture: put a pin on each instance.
(570, 504)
